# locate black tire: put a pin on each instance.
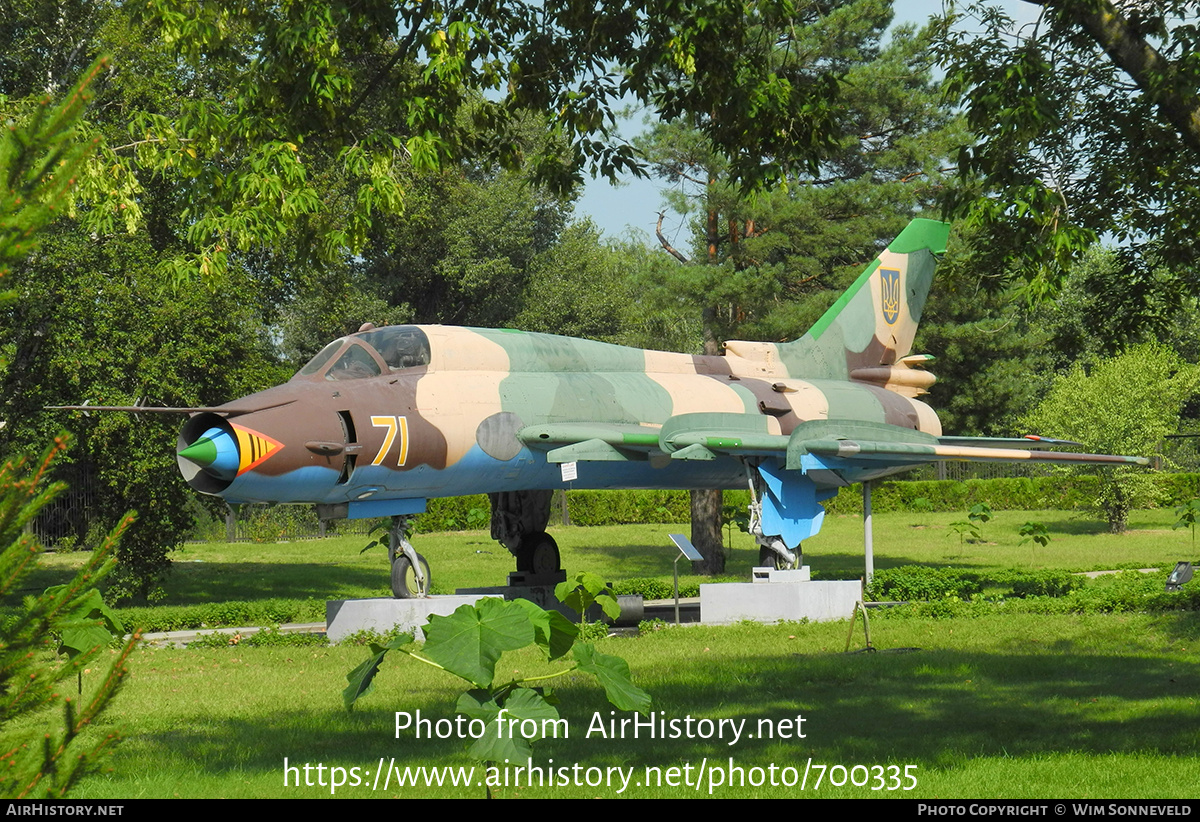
(538, 554)
(404, 581)
(769, 559)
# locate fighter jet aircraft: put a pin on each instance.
(380, 421)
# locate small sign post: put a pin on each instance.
(686, 549)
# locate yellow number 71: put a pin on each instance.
(394, 425)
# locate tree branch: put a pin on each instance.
(663, 240)
(401, 51)
(1129, 51)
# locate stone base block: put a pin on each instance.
(344, 617)
(822, 601)
(801, 574)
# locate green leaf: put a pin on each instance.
(613, 673)
(504, 740)
(469, 642)
(980, 512)
(552, 631)
(89, 625)
(609, 605)
(580, 591)
(362, 678)
(80, 640)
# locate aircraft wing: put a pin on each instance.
(1027, 441)
(705, 436)
(920, 452)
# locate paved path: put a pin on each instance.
(1094, 574)
(182, 638)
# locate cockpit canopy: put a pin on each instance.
(370, 354)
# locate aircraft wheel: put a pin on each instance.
(538, 554)
(768, 558)
(404, 579)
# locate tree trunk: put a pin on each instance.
(1116, 506)
(706, 503)
(706, 532)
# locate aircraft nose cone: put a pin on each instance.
(216, 452)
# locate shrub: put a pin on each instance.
(232, 614)
(648, 587)
(1049, 583)
(921, 583)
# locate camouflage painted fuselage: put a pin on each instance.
(451, 427)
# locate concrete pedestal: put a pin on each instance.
(778, 596)
(344, 617)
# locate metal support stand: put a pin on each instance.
(868, 538)
(859, 606)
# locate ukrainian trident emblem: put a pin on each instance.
(889, 281)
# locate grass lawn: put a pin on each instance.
(335, 568)
(998, 706)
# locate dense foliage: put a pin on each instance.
(1086, 125)
(337, 163)
(1123, 405)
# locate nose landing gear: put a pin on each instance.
(410, 571)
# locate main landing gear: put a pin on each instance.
(772, 550)
(410, 571)
(770, 558)
(537, 553)
(519, 524)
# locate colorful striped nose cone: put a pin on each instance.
(216, 452)
(226, 453)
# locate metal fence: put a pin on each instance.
(66, 520)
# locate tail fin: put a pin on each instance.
(873, 324)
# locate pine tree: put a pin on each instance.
(36, 762)
(39, 159)
(767, 265)
(39, 162)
